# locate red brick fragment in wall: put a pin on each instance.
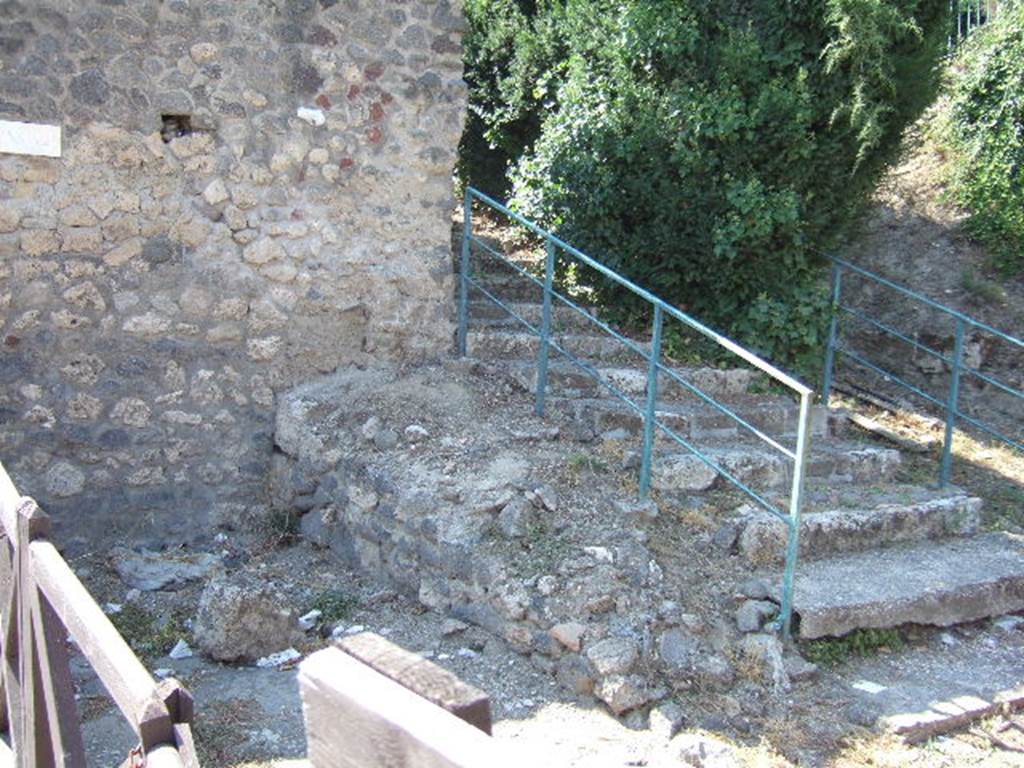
(346, 163)
(354, 91)
(323, 101)
(374, 70)
(375, 135)
(376, 112)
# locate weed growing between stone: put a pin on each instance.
(861, 643)
(335, 605)
(149, 635)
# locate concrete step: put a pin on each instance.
(568, 380)
(486, 315)
(490, 344)
(826, 532)
(765, 469)
(935, 583)
(775, 415)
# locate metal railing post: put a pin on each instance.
(467, 232)
(652, 401)
(796, 501)
(953, 404)
(833, 332)
(545, 329)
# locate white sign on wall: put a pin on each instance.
(29, 139)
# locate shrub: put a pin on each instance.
(985, 132)
(708, 151)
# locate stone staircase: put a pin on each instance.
(875, 553)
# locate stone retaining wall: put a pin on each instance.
(250, 193)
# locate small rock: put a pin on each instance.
(548, 497)
(614, 656)
(724, 539)
(711, 670)
(666, 719)
(702, 751)
(314, 117)
(573, 673)
(216, 192)
(278, 659)
(382, 597)
(752, 615)
(601, 554)
(868, 687)
(755, 589)
(414, 433)
(516, 518)
(764, 652)
(112, 608)
(386, 439)
(163, 673)
(678, 649)
(451, 627)
(645, 510)
(570, 634)
(467, 653)
(623, 694)
(616, 435)
(342, 631)
(243, 617)
(799, 669)
(310, 620)
(181, 650)
(150, 571)
(370, 428)
(547, 585)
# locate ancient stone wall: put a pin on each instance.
(251, 193)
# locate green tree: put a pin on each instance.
(709, 151)
(985, 133)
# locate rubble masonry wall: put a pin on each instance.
(200, 246)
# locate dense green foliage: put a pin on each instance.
(985, 130)
(708, 151)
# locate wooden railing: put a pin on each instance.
(369, 703)
(42, 606)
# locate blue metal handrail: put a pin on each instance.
(652, 354)
(968, 15)
(958, 367)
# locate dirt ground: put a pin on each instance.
(252, 717)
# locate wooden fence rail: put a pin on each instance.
(370, 704)
(367, 702)
(42, 605)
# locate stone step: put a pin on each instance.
(765, 469)
(485, 314)
(568, 380)
(762, 536)
(775, 415)
(505, 345)
(935, 583)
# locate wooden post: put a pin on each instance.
(424, 678)
(358, 718)
(33, 746)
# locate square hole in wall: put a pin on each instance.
(173, 126)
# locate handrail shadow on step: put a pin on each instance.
(652, 354)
